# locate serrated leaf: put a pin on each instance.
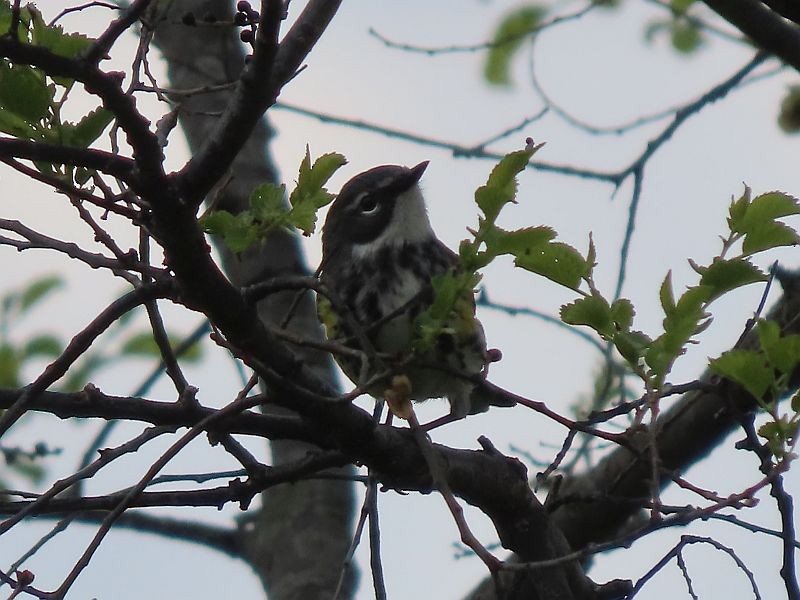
(42, 345)
(238, 231)
(23, 91)
(747, 368)
(592, 311)
(795, 403)
(501, 186)
(89, 128)
(518, 242)
(767, 235)
(622, 313)
(666, 295)
(37, 291)
(509, 36)
(632, 345)
(772, 205)
(722, 276)
(782, 353)
(268, 203)
(15, 125)
(310, 194)
(557, 262)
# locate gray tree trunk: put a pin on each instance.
(298, 540)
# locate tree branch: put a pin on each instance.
(767, 29)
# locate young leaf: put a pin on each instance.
(89, 128)
(501, 187)
(592, 311)
(238, 231)
(632, 345)
(782, 353)
(622, 313)
(23, 91)
(42, 345)
(38, 290)
(518, 242)
(515, 27)
(666, 295)
(310, 194)
(767, 235)
(747, 368)
(558, 262)
(722, 276)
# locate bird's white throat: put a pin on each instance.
(409, 224)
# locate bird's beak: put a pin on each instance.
(416, 172)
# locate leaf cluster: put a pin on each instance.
(269, 210)
(31, 101)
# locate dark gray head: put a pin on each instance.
(377, 207)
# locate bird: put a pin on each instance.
(379, 257)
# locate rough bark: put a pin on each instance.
(299, 538)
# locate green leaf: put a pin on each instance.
(501, 187)
(42, 345)
(770, 206)
(686, 37)
(88, 129)
(681, 5)
(15, 125)
(143, 344)
(795, 404)
(518, 242)
(666, 295)
(23, 91)
(632, 345)
(238, 231)
(310, 194)
(722, 276)
(312, 178)
(9, 367)
(789, 116)
(268, 203)
(747, 368)
(770, 234)
(592, 311)
(756, 220)
(782, 353)
(558, 262)
(37, 291)
(509, 36)
(622, 313)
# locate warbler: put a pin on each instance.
(379, 255)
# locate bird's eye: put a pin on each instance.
(368, 204)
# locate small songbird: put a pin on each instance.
(379, 254)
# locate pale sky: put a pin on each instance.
(601, 70)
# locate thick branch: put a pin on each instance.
(766, 28)
(92, 403)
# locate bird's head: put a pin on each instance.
(379, 207)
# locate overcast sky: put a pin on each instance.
(600, 69)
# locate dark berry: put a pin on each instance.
(243, 6)
(240, 19)
(246, 35)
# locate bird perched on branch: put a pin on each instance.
(379, 255)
